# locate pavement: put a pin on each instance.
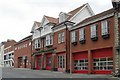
(28, 73)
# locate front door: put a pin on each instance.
(61, 63)
(48, 62)
(39, 62)
(19, 62)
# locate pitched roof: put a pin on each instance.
(38, 23)
(24, 39)
(52, 20)
(96, 16)
(73, 12)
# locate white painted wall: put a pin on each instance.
(84, 13)
(46, 28)
(2, 56)
(36, 34)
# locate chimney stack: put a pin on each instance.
(116, 4)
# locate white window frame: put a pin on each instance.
(82, 34)
(63, 37)
(93, 29)
(73, 36)
(49, 40)
(59, 38)
(105, 64)
(81, 64)
(37, 43)
(105, 27)
(61, 61)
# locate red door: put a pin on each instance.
(102, 61)
(80, 62)
(48, 61)
(38, 62)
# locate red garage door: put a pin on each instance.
(80, 62)
(38, 61)
(102, 61)
(48, 61)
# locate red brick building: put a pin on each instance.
(80, 42)
(22, 53)
(92, 44)
(9, 53)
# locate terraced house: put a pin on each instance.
(78, 41)
(51, 46)
(43, 43)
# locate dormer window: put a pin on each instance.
(105, 29)
(62, 17)
(74, 37)
(82, 35)
(94, 30)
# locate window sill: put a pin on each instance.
(105, 36)
(74, 43)
(82, 41)
(94, 38)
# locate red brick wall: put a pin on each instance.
(100, 43)
(22, 52)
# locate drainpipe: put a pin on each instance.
(70, 56)
(66, 45)
(31, 55)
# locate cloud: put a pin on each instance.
(17, 16)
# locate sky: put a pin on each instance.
(17, 16)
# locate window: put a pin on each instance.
(48, 40)
(93, 30)
(81, 64)
(73, 36)
(63, 36)
(82, 34)
(105, 27)
(37, 43)
(59, 38)
(61, 61)
(103, 63)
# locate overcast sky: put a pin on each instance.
(17, 16)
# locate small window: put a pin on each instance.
(73, 36)
(105, 27)
(82, 34)
(63, 37)
(93, 30)
(59, 38)
(48, 40)
(37, 43)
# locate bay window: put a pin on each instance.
(48, 40)
(37, 43)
